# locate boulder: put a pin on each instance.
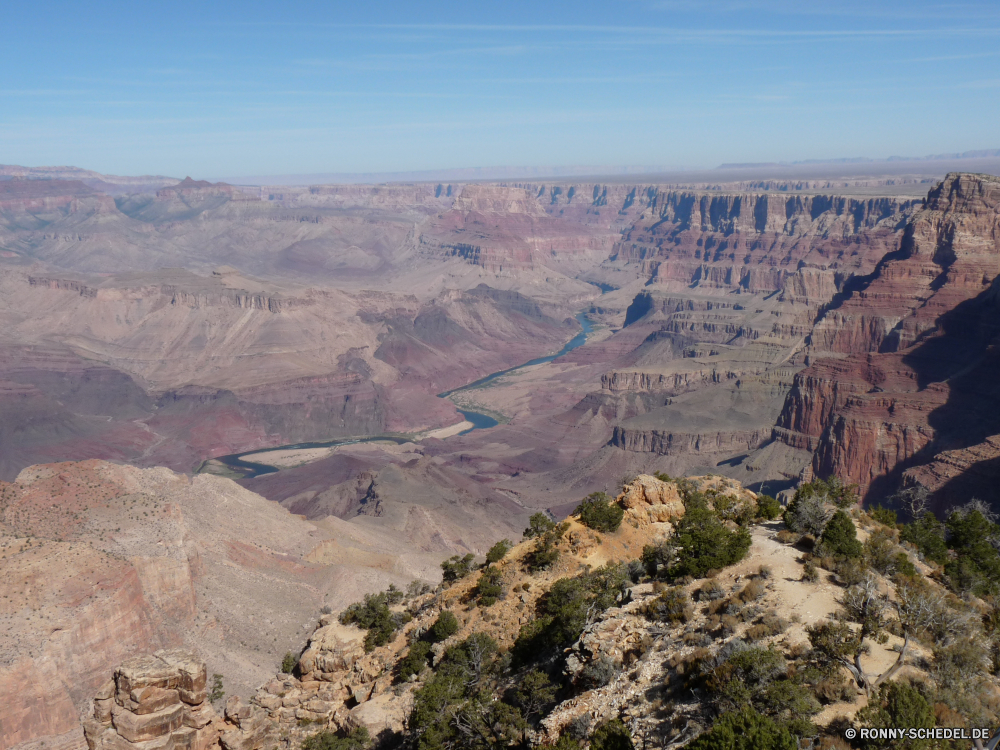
(648, 500)
(153, 704)
(151, 699)
(141, 727)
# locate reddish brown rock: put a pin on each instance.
(146, 709)
(927, 322)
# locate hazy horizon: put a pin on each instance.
(306, 88)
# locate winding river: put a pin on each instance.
(250, 469)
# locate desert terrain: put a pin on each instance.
(224, 408)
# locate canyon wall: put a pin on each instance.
(912, 349)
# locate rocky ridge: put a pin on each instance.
(338, 686)
(101, 562)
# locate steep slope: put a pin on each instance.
(918, 339)
(524, 653)
(101, 562)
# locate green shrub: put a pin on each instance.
(567, 743)
(898, 705)
(445, 626)
(538, 524)
(561, 617)
(216, 692)
(490, 587)
(414, 661)
(744, 674)
(976, 566)
(498, 551)
(704, 543)
(456, 568)
(657, 558)
(611, 735)
(840, 537)
(745, 730)
(289, 663)
(543, 556)
(534, 694)
(456, 708)
(927, 535)
(358, 739)
(884, 516)
(374, 615)
(598, 512)
(768, 508)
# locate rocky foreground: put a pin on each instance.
(646, 664)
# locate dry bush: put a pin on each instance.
(729, 624)
(764, 572)
(753, 591)
(786, 536)
(719, 605)
(809, 572)
(798, 650)
(832, 742)
(941, 619)
(711, 591)
(835, 688)
(945, 716)
(850, 571)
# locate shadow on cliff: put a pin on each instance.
(963, 354)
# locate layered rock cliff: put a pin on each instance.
(917, 337)
(759, 241)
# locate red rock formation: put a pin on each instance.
(501, 228)
(759, 242)
(926, 319)
(159, 700)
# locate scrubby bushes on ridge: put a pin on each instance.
(599, 512)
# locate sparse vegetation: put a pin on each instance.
(357, 739)
(599, 512)
(456, 568)
(757, 688)
(373, 614)
(289, 663)
(498, 551)
(538, 524)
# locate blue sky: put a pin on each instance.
(224, 89)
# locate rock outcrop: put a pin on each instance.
(157, 701)
(647, 500)
(160, 702)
